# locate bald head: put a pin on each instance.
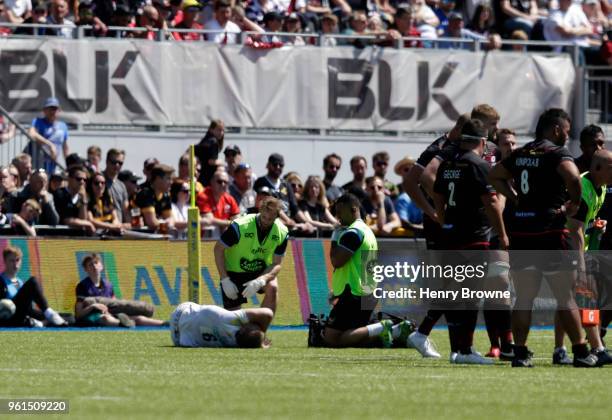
(601, 167)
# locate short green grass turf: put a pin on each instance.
(116, 374)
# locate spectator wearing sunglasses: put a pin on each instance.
(179, 194)
(71, 201)
(101, 211)
(282, 189)
(380, 163)
(378, 207)
(216, 205)
(116, 188)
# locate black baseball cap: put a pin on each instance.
(232, 148)
(128, 175)
(276, 158)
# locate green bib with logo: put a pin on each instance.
(249, 255)
(594, 200)
(356, 271)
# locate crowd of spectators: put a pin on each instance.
(93, 195)
(581, 22)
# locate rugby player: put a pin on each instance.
(249, 255)
(544, 174)
(352, 247)
(193, 325)
(467, 207)
(431, 227)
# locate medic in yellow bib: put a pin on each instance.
(249, 254)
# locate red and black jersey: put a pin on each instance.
(462, 180)
(541, 190)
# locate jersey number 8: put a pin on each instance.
(524, 181)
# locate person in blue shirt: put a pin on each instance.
(409, 213)
(24, 294)
(455, 29)
(51, 137)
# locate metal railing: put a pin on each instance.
(13, 146)
(597, 95)
(319, 39)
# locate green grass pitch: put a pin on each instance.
(131, 374)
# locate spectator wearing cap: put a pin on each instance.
(331, 166)
(59, 11)
(262, 193)
(73, 159)
(191, 10)
(281, 188)
(599, 21)
(379, 209)
(455, 29)
(207, 150)
(130, 180)
(226, 31)
(50, 134)
(242, 187)
(273, 22)
(154, 201)
(329, 26)
(122, 17)
(257, 9)
(71, 201)
(114, 162)
(244, 23)
(357, 186)
(86, 17)
(56, 181)
(183, 171)
(216, 205)
(380, 163)
(35, 189)
(442, 10)
(410, 215)
(39, 15)
(233, 157)
(293, 25)
(147, 166)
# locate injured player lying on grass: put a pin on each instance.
(193, 325)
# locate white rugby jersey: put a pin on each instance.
(193, 325)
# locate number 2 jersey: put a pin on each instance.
(462, 180)
(193, 325)
(541, 190)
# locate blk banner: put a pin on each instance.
(169, 83)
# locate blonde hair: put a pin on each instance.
(322, 197)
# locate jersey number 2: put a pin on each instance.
(451, 194)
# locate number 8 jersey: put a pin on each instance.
(540, 188)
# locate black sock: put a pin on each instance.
(580, 350)
(430, 320)
(520, 352)
(454, 330)
(491, 322)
